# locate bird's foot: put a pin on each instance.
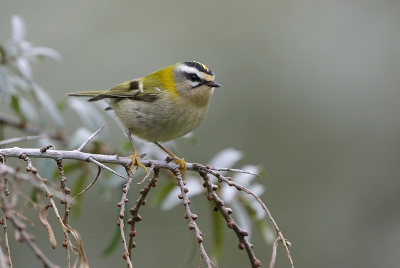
(135, 162)
(182, 164)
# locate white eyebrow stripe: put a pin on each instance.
(190, 70)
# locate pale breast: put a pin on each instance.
(159, 120)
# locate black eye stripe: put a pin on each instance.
(193, 77)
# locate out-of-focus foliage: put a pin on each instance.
(17, 89)
(32, 104)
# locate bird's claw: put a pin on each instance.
(136, 162)
(182, 164)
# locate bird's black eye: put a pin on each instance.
(194, 78)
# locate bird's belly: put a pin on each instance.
(152, 122)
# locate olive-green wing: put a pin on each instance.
(130, 89)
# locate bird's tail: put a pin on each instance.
(85, 93)
(92, 94)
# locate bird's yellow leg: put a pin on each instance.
(135, 156)
(180, 161)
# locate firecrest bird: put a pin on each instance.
(161, 106)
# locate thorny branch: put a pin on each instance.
(239, 187)
(192, 217)
(135, 209)
(66, 191)
(4, 185)
(100, 160)
(120, 221)
(18, 225)
(219, 206)
(36, 179)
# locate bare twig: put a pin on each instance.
(7, 245)
(192, 217)
(232, 170)
(66, 191)
(219, 205)
(229, 181)
(30, 179)
(24, 218)
(120, 221)
(4, 186)
(28, 239)
(45, 148)
(30, 128)
(274, 248)
(88, 187)
(83, 263)
(90, 159)
(98, 159)
(20, 227)
(26, 138)
(58, 154)
(135, 209)
(89, 139)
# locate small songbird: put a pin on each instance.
(161, 106)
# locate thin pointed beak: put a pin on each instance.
(213, 84)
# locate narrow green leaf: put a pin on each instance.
(25, 110)
(33, 195)
(15, 106)
(114, 243)
(79, 185)
(162, 192)
(2, 53)
(219, 235)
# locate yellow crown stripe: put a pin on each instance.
(204, 66)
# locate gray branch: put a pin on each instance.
(204, 171)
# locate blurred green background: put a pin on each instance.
(310, 92)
